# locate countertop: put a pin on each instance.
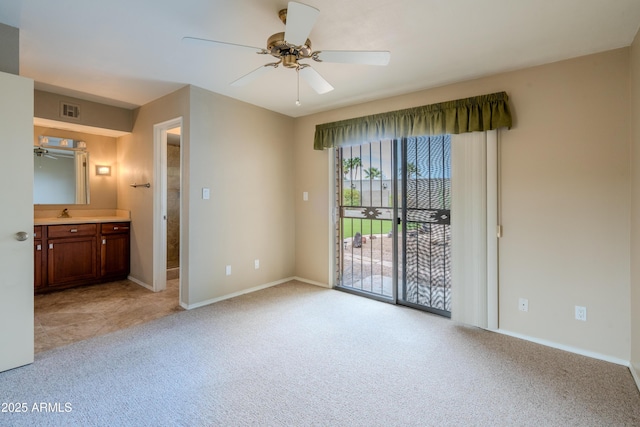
(80, 220)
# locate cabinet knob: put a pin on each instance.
(21, 236)
(38, 247)
(73, 230)
(115, 228)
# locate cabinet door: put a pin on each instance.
(115, 255)
(38, 281)
(71, 260)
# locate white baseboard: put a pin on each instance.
(235, 294)
(141, 283)
(570, 349)
(311, 282)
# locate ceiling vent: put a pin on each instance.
(69, 111)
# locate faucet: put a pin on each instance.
(64, 214)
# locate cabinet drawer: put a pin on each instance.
(37, 232)
(115, 227)
(71, 230)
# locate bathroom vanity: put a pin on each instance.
(79, 251)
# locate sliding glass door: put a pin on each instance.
(366, 188)
(394, 235)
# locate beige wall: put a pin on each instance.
(135, 157)
(244, 155)
(92, 114)
(102, 151)
(635, 204)
(565, 204)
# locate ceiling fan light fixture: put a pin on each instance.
(293, 45)
(290, 61)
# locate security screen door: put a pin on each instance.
(394, 232)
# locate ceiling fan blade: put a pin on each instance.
(206, 42)
(248, 78)
(315, 80)
(365, 57)
(300, 21)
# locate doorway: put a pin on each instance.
(167, 210)
(173, 202)
(394, 231)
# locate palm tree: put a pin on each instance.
(356, 164)
(346, 167)
(351, 164)
(372, 173)
(412, 170)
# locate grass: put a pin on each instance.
(350, 226)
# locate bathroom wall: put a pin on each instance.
(102, 151)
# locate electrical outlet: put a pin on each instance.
(228, 270)
(523, 304)
(256, 264)
(581, 313)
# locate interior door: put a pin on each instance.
(16, 251)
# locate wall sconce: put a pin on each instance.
(103, 170)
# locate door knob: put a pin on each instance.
(22, 236)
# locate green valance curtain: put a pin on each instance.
(479, 113)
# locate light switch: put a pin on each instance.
(305, 196)
(206, 193)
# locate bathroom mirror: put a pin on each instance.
(61, 173)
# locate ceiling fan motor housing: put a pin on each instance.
(290, 54)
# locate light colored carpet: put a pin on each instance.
(296, 354)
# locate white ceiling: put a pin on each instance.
(128, 53)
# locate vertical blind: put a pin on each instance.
(479, 113)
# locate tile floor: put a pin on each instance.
(80, 313)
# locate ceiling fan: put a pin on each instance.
(43, 152)
(293, 46)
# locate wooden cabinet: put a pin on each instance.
(38, 279)
(72, 254)
(80, 254)
(114, 254)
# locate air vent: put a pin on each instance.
(69, 111)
